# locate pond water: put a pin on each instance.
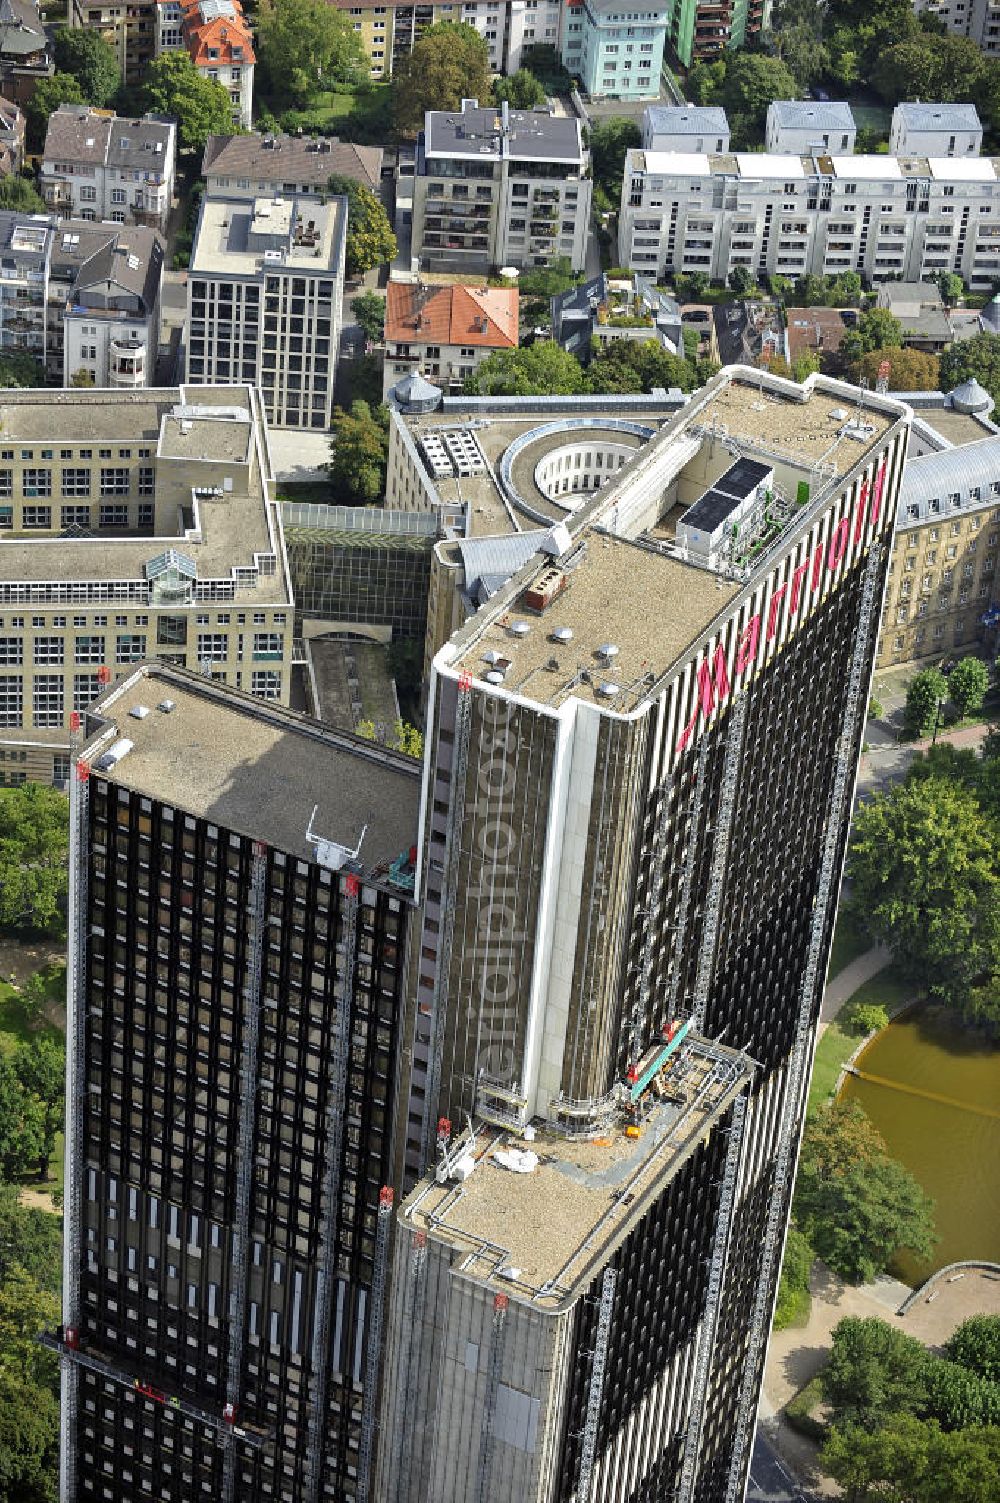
(933, 1092)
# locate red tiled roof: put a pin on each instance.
(220, 35)
(484, 316)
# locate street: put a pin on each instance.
(770, 1479)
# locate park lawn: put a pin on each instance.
(366, 111)
(14, 1026)
(889, 989)
(848, 942)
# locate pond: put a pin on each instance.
(933, 1092)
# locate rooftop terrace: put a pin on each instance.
(541, 1235)
(255, 767)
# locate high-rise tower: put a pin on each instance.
(641, 758)
(242, 884)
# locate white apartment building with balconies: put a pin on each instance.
(908, 218)
(99, 166)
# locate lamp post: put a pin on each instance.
(937, 721)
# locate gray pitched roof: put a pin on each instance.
(21, 29)
(686, 120)
(492, 561)
(803, 114)
(286, 159)
(939, 116)
(78, 134)
(128, 255)
(937, 478)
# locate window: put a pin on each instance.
(114, 481)
(36, 517)
(47, 700)
(89, 649)
(11, 698)
(37, 482)
(11, 651)
(146, 474)
(130, 648)
(49, 650)
(267, 644)
(114, 515)
(212, 645)
(74, 516)
(76, 481)
(86, 688)
(266, 684)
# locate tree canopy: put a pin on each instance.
(610, 139)
(745, 83)
(49, 93)
(369, 310)
(19, 369)
(522, 90)
(855, 1204)
(976, 1345)
(874, 1371)
(923, 865)
(925, 694)
(201, 106)
(968, 682)
(448, 62)
(928, 67)
(909, 370)
(979, 357)
(370, 241)
(301, 42)
(34, 857)
(628, 365)
(360, 445)
(539, 368)
(908, 1460)
(85, 54)
(18, 193)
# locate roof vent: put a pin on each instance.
(608, 650)
(491, 657)
(562, 634)
(494, 677)
(167, 706)
(608, 690)
(520, 628)
(139, 712)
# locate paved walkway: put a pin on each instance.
(884, 765)
(846, 982)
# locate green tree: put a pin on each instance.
(958, 1398)
(41, 1069)
(29, 1441)
(19, 193)
(845, 290)
(923, 866)
(401, 736)
(909, 370)
(370, 241)
(691, 287)
(951, 287)
(91, 61)
(798, 42)
(17, 369)
(302, 42)
(26, 1309)
(929, 67)
(49, 93)
(629, 365)
(31, 1239)
(968, 682)
(705, 82)
(878, 329)
(856, 1205)
(34, 855)
(976, 1345)
(978, 357)
(793, 1290)
(924, 695)
(752, 81)
(522, 90)
(867, 1463)
(173, 86)
(863, 1018)
(540, 369)
(610, 139)
(81, 378)
(874, 1371)
(741, 280)
(369, 310)
(360, 440)
(448, 62)
(548, 281)
(22, 1124)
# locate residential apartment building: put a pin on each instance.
(807, 126)
(688, 127)
(608, 308)
(626, 780)
(11, 138)
(614, 50)
(260, 166)
(104, 297)
(24, 49)
(77, 296)
(129, 26)
(389, 31)
(699, 30)
(135, 525)
(216, 36)
(979, 20)
(99, 166)
(445, 332)
(943, 592)
(264, 302)
(906, 218)
(935, 130)
(240, 897)
(500, 187)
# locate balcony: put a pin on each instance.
(127, 363)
